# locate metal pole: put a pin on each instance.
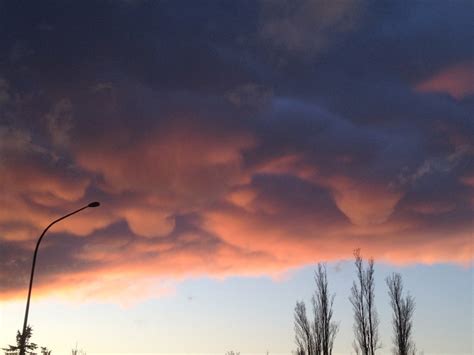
(25, 322)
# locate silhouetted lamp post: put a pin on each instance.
(23, 338)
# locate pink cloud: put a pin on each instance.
(457, 81)
(263, 219)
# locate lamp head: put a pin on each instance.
(94, 204)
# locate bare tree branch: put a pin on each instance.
(403, 309)
(324, 328)
(362, 297)
(303, 336)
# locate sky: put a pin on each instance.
(233, 145)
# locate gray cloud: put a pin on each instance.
(308, 26)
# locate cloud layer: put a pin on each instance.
(230, 139)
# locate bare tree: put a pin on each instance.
(303, 335)
(317, 337)
(324, 328)
(403, 309)
(362, 298)
(76, 351)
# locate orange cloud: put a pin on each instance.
(457, 81)
(363, 202)
(184, 204)
(148, 222)
(42, 185)
(248, 243)
(174, 164)
(26, 220)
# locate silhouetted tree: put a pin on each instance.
(316, 337)
(76, 351)
(403, 309)
(45, 351)
(324, 328)
(303, 335)
(362, 297)
(29, 347)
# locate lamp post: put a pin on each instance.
(23, 334)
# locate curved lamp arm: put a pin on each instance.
(25, 322)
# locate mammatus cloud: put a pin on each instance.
(183, 202)
(209, 159)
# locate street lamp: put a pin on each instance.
(23, 334)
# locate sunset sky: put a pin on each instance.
(233, 145)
